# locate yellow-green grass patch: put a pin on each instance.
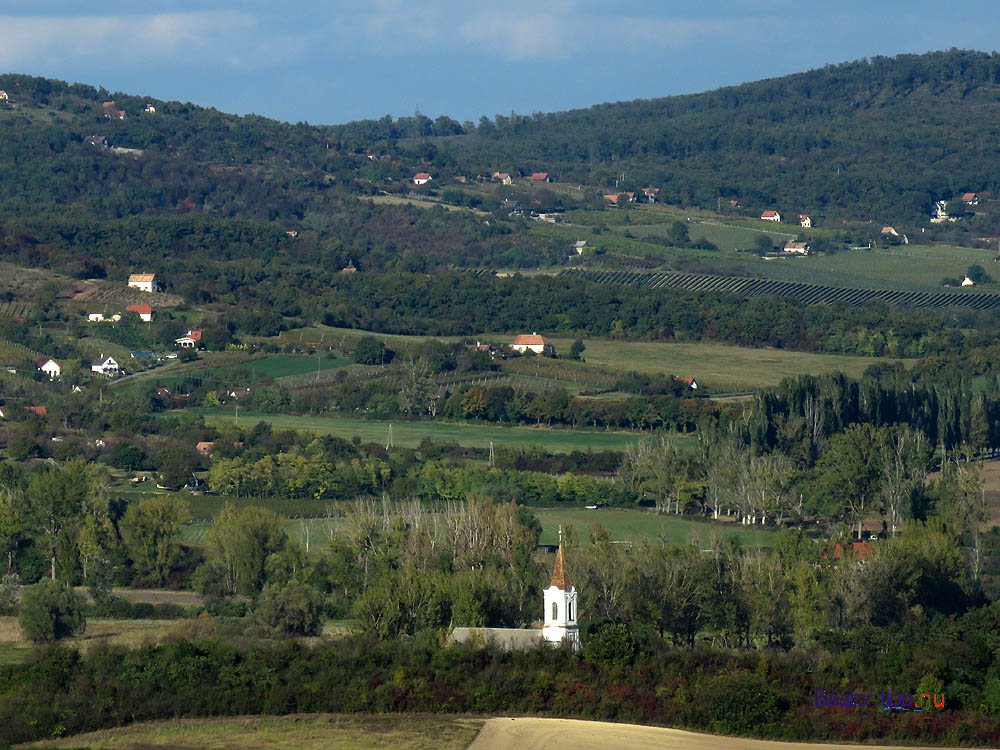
(297, 732)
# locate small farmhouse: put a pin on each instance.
(970, 199)
(540, 177)
(968, 282)
(150, 109)
(105, 365)
(533, 343)
(4, 97)
(690, 383)
(580, 246)
(649, 194)
(503, 178)
(145, 282)
(421, 178)
(617, 199)
(38, 411)
(50, 367)
(770, 216)
(205, 447)
(805, 222)
(890, 232)
(796, 248)
(189, 340)
(145, 312)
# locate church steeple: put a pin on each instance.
(559, 577)
(560, 607)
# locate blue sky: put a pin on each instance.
(334, 61)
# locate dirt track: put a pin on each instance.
(571, 734)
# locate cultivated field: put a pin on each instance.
(718, 366)
(296, 732)
(409, 434)
(544, 734)
(288, 365)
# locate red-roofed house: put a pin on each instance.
(189, 340)
(770, 216)
(805, 221)
(615, 198)
(421, 178)
(970, 199)
(532, 343)
(112, 112)
(145, 312)
(690, 382)
(650, 194)
(540, 177)
(38, 411)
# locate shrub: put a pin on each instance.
(292, 609)
(51, 611)
(611, 644)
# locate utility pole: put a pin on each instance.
(491, 453)
(388, 445)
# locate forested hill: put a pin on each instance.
(881, 137)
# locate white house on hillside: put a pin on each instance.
(421, 178)
(50, 367)
(145, 282)
(770, 216)
(805, 221)
(105, 365)
(189, 340)
(533, 343)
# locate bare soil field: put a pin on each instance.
(543, 734)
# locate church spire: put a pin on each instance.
(559, 578)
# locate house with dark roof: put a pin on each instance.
(50, 367)
(105, 365)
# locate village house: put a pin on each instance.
(105, 365)
(615, 199)
(968, 282)
(940, 213)
(503, 178)
(145, 282)
(734, 204)
(770, 216)
(540, 177)
(460, 179)
(97, 141)
(3, 96)
(3, 412)
(50, 367)
(112, 112)
(38, 411)
(421, 178)
(145, 312)
(205, 447)
(292, 233)
(690, 383)
(579, 246)
(970, 199)
(650, 194)
(796, 248)
(890, 232)
(805, 222)
(189, 340)
(150, 109)
(533, 343)
(349, 268)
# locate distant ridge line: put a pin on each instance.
(810, 294)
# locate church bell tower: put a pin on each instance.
(560, 608)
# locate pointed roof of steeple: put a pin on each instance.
(559, 578)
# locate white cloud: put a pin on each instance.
(226, 37)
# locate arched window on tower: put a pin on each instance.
(569, 610)
(555, 611)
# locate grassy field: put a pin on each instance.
(636, 525)
(917, 267)
(719, 366)
(14, 648)
(295, 732)
(286, 365)
(409, 434)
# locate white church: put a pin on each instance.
(560, 617)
